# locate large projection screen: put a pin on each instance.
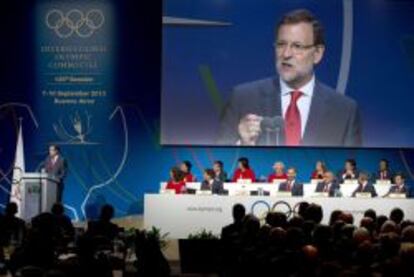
(230, 69)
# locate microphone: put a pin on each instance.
(275, 125)
(272, 123)
(40, 166)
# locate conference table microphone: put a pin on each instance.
(274, 125)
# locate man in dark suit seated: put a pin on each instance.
(12, 228)
(104, 227)
(364, 185)
(218, 168)
(211, 183)
(329, 185)
(64, 228)
(291, 184)
(231, 237)
(293, 108)
(399, 186)
(232, 231)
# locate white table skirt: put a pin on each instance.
(181, 215)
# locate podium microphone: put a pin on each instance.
(275, 125)
(40, 167)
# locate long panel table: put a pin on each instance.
(181, 215)
(346, 189)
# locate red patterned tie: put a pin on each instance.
(289, 186)
(293, 126)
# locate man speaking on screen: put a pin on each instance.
(294, 108)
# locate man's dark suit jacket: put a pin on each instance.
(216, 187)
(394, 189)
(333, 120)
(368, 188)
(222, 177)
(103, 228)
(297, 188)
(59, 171)
(231, 232)
(334, 187)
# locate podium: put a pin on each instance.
(38, 192)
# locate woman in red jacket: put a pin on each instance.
(177, 181)
(320, 169)
(244, 171)
(185, 167)
(279, 173)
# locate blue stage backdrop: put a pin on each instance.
(86, 75)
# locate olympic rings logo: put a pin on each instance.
(261, 208)
(74, 22)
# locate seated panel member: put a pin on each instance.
(220, 174)
(291, 184)
(320, 169)
(210, 183)
(399, 185)
(185, 167)
(364, 185)
(243, 171)
(350, 171)
(177, 181)
(329, 184)
(384, 172)
(279, 172)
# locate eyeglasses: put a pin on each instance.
(295, 47)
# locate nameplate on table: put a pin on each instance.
(193, 185)
(240, 192)
(283, 194)
(167, 191)
(204, 192)
(363, 195)
(315, 181)
(350, 182)
(278, 181)
(383, 183)
(397, 195)
(244, 181)
(321, 194)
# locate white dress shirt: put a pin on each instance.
(54, 159)
(304, 102)
(327, 187)
(400, 188)
(363, 185)
(210, 182)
